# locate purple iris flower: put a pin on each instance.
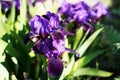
(66, 9)
(82, 14)
(80, 11)
(48, 38)
(99, 10)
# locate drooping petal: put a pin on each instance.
(38, 47)
(55, 67)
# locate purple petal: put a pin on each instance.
(99, 10)
(55, 67)
(81, 5)
(39, 25)
(66, 9)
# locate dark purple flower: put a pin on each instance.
(52, 35)
(48, 50)
(6, 5)
(55, 66)
(49, 39)
(99, 10)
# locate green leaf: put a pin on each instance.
(91, 72)
(78, 36)
(86, 59)
(84, 37)
(2, 28)
(23, 11)
(67, 71)
(4, 74)
(2, 48)
(11, 18)
(81, 50)
(65, 55)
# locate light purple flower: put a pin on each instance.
(66, 9)
(81, 5)
(81, 15)
(99, 10)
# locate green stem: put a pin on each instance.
(38, 66)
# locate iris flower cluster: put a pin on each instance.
(82, 13)
(49, 40)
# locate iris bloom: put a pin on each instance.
(82, 13)
(99, 10)
(48, 38)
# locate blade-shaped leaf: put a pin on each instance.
(81, 50)
(67, 70)
(2, 28)
(91, 72)
(23, 11)
(78, 36)
(11, 18)
(86, 59)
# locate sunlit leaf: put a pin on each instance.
(67, 71)
(91, 72)
(23, 11)
(2, 28)
(86, 59)
(81, 50)
(11, 18)
(2, 48)
(78, 36)
(4, 74)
